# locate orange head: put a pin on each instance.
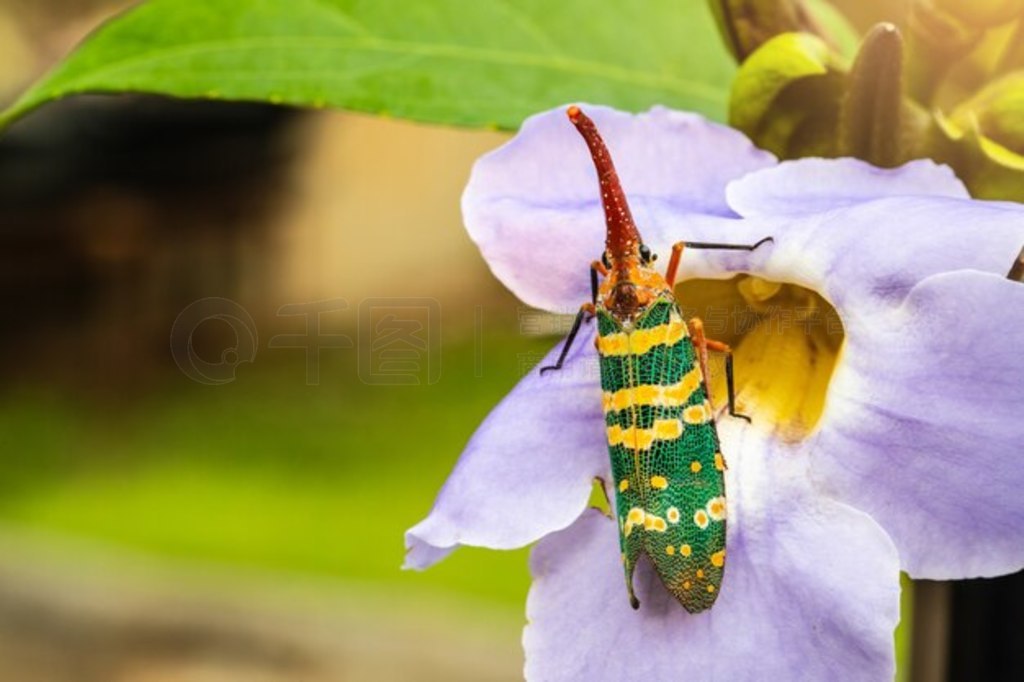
(631, 283)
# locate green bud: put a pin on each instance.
(871, 124)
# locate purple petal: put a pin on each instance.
(811, 592)
(861, 235)
(815, 185)
(533, 205)
(922, 428)
(528, 469)
(868, 256)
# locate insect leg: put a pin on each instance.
(703, 345)
(596, 268)
(729, 382)
(1016, 272)
(585, 309)
(677, 252)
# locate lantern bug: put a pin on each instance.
(667, 466)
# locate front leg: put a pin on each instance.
(585, 309)
(677, 253)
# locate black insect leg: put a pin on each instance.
(586, 313)
(1016, 272)
(730, 387)
(596, 268)
(585, 309)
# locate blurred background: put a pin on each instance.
(242, 347)
(242, 520)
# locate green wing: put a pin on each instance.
(666, 463)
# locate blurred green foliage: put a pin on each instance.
(944, 80)
(266, 471)
(488, 63)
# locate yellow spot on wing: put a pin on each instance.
(670, 550)
(700, 572)
(667, 429)
(716, 508)
(719, 461)
(672, 515)
(623, 485)
(659, 482)
(697, 414)
(685, 550)
(695, 467)
(635, 517)
(718, 559)
(700, 518)
(711, 588)
(653, 522)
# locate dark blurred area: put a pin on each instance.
(986, 639)
(116, 213)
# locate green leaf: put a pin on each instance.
(474, 63)
(989, 169)
(999, 111)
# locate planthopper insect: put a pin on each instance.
(667, 466)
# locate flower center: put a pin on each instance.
(786, 340)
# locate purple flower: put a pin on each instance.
(894, 448)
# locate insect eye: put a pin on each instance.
(604, 259)
(645, 254)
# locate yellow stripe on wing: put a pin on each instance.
(651, 394)
(640, 341)
(642, 439)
